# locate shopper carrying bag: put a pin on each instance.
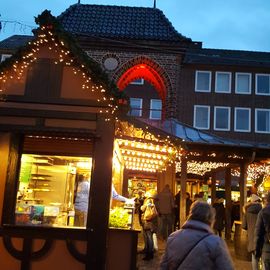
(195, 246)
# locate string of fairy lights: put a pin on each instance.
(142, 150)
(139, 155)
(58, 48)
(200, 168)
(254, 171)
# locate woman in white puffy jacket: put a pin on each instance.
(195, 246)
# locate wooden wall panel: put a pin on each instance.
(60, 146)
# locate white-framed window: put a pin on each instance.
(135, 107)
(155, 109)
(203, 81)
(223, 82)
(139, 81)
(242, 119)
(5, 56)
(262, 120)
(262, 84)
(242, 83)
(222, 116)
(201, 117)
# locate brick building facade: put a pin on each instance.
(127, 41)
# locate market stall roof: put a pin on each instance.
(52, 35)
(188, 134)
(204, 151)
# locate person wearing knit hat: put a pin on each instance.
(250, 213)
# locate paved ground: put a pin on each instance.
(154, 264)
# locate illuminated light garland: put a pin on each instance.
(254, 171)
(50, 34)
(200, 168)
(138, 154)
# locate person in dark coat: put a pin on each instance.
(250, 213)
(177, 207)
(165, 207)
(195, 246)
(235, 212)
(220, 216)
(262, 235)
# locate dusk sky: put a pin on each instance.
(221, 24)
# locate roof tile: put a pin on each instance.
(119, 22)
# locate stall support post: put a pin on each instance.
(243, 187)
(4, 150)
(183, 181)
(15, 149)
(228, 191)
(125, 183)
(170, 177)
(100, 196)
(213, 187)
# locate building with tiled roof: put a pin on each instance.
(119, 22)
(193, 113)
(167, 75)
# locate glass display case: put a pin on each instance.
(48, 187)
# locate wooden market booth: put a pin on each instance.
(57, 117)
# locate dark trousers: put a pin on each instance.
(148, 242)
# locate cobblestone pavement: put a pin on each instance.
(154, 264)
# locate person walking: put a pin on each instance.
(195, 246)
(177, 208)
(165, 207)
(220, 216)
(149, 216)
(250, 213)
(262, 235)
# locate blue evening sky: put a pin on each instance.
(221, 24)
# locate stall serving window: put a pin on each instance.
(53, 189)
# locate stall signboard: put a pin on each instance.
(205, 192)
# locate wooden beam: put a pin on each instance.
(100, 196)
(243, 187)
(183, 180)
(215, 159)
(213, 188)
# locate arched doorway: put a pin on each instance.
(145, 68)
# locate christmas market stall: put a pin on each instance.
(57, 115)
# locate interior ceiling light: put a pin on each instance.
(141, 156)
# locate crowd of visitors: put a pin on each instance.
(198, 244)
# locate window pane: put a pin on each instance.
(263, 121)
(155, 109)
(138, 81)
(136, 107)
(53, 191)
(222, 118)
(201, 117)
(203, 81)
(243, 82)
(223, 82)
(263, 84)
(242, 119)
